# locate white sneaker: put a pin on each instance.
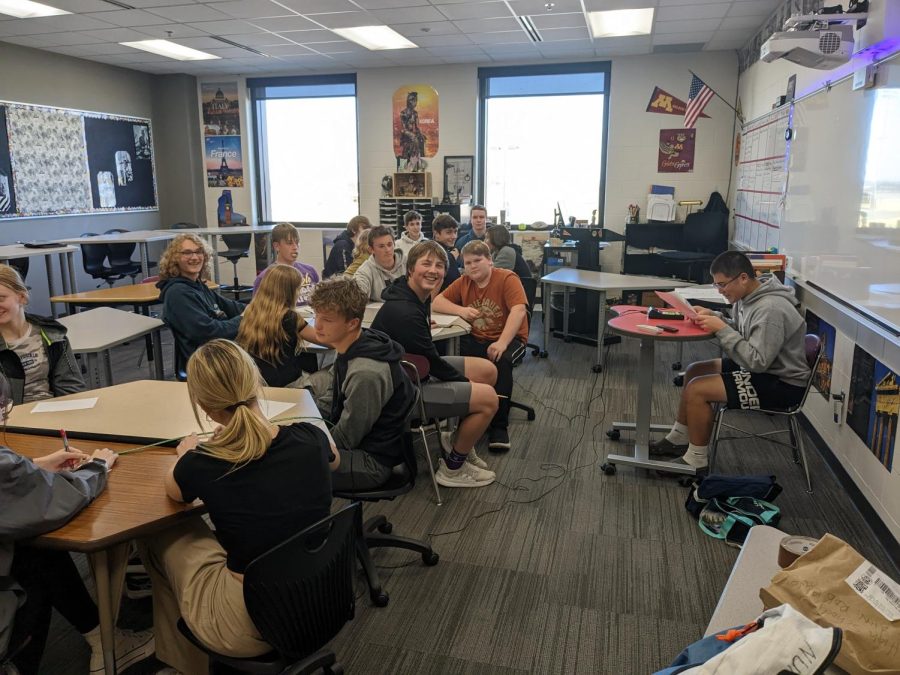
(471, 458)
(467, 476)
(131, 647)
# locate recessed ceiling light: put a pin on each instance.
(375, 37)
(618, 22)
(172, 50)
(25, 9)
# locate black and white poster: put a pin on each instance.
(7, 190)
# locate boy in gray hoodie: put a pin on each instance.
(383, 267)
(765, 364)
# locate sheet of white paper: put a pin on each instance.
(62, 406)
(273, 409)
(678, 303)
(444, 320)
(708, 293)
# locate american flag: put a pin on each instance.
(698, 97)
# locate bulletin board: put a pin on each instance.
(58, 161)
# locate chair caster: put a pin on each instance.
(336, 669)
(596, 368)
(430, 558)
(380, 598)
(386, 528)
(678, 380)
(608, 469)
(613, 434)
(531, 415)
(676, 365)
(543, 354)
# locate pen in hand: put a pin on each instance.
(65, 439)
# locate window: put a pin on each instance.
(306, 143)
(543, 140)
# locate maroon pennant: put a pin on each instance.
(664, 103)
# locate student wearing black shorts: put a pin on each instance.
(765, 364)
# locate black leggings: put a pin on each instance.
(51, 580)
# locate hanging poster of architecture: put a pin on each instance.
(827, 335)
(873, 405)
(221, 109)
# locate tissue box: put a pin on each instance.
(661, 207)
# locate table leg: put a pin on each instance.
(109, 575)
(70, 258)
(145, 259)
(157, 354)
(546, 312)
(64, 273)
(51, 287)
(601, 333)
(565, 314)
(93, 370)
(107, 366)
(214, 242)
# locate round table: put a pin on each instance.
(626, 324)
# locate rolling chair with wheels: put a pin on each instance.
(813, 348)
(238, 247)
(119, 256)
(21, 266)
(92, 259)
(530, 286)
(184, 226)
(377, 531)
(299, 595)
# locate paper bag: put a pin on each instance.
(834, 585)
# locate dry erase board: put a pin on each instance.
(841, 224)
(57, 161)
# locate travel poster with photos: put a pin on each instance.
(827, 336)
(221, 109)
(224, 168)
(873, 405)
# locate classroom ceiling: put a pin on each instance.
(293, 36)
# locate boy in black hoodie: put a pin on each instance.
(406, 317)
(371, 395)
(444, 229)
(342, 248)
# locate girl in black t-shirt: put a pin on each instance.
(261, 483)
(273, 333)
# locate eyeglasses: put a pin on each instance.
(188, 254)
(721, 285)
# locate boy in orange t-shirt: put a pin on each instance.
(494, 302)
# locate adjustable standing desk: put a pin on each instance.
(140, 237)
(66, 256)
(602, 282)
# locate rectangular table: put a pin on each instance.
(134, 503)
(140, 237)
(602, 283)
(66, 265)
(135, 295)
(95, 332)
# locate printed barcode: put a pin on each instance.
(888, 593)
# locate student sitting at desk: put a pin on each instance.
(383, 267)
(39, 496)
(261, 482)
(286, 243)
(458, 386)
(195, 313)
(765, 364)
(503, 253)
(272, 331)
(372, 397)
(35, 355)
(478, 227)
(342, 249)
(494, 302)
(443, 231)
(412, 223)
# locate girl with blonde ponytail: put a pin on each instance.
(260, 482)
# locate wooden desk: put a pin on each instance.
(145, 411)
(626, 324)
(134, 504)
(602, 282)
(95, 332)
(136, 295)
(66, 265)
(140, 237)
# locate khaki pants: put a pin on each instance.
(190, 580)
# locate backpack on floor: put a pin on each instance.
(730, 519)
(718, 486)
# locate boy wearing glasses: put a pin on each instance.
(764, 367)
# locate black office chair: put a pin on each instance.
(530, 285)
(92, 259)
(377, 531)
(120, 260)
(20, 265)
(299, 595)
(238, 247)
(184, 226)
(704, 236)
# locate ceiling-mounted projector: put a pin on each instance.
(821, 41)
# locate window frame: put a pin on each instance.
(484, 77)
(260, 139)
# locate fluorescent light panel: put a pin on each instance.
(25, 9)
(619, 22)
(172, 50)
(375, 37)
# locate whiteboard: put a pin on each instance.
(841, 222)
(759, 196)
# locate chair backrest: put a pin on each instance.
(530, 286)
(813, 348)
(417, 369)
(705, 232)
(236, 242)
(300, 594)
(93, 255)
(120, 254)
(20, 265)
(183, 226)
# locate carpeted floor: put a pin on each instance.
(556, 568)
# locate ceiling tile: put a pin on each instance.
(632, 44)
(80, 6)
(469, 58)
(458, 50)
(170, 30)
(507, 37)
(24, 40)
(284, 23)
(81, 51)
(667, 3)
(733, 34)
(320, 6)
(286, 50)
(232, 27)
(682, 38)
(570, 20)
(204, 42)
(144, 4)
(749, 9)
(680, 12)
(537, 7)
(109, 48)
(259, 40)
(441, 40)
(308, 36)
(50, 24)
(524, 51)
(574, 48)
(63, 39)
(408, 15)
(751, 23)
(116, 35)
(129, 18)
(188, 13)
(686, 26)
(339, 47)
(557, 34)
(598, 5)
(133, 56)
(716, 45)
(307, 60)
(346, 19)
(414, 57)
(477, 10)
(487, 25)
(252, 9)
(389, 4)
(433, 28)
